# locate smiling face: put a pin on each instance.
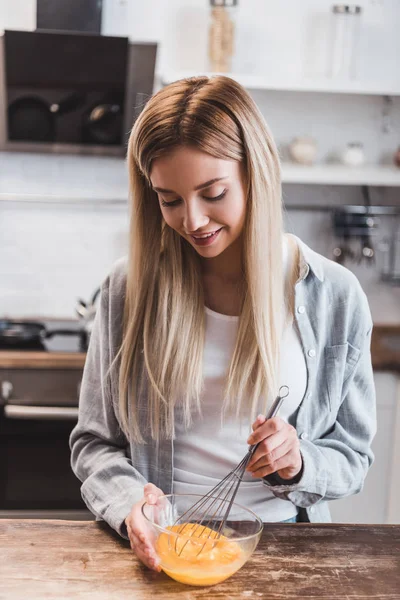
(201, 195)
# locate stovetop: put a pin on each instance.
(57, 343)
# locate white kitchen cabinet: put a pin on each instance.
(378, 502)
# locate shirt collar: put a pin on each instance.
(309, 260)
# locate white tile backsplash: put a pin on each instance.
(51, 255)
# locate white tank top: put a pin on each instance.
(205, 453)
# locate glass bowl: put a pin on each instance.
(196, 554)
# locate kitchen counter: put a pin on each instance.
(17, 359)
(43, 560)
(385, 350)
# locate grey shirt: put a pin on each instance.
(336, 419)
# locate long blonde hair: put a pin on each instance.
(164, 318)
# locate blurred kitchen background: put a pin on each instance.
(73, 76)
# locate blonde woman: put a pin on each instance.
(213, 310)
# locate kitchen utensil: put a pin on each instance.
(30, 118)
(343, 252)
(391, 257)
(367, 253)
(396, 157)
(21, 334)
(102, 121)
(212, 510)
(87, 312)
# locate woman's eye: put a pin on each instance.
(219, 197)
(173, 203)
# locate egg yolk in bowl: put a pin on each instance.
(198, 555)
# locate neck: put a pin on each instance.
(227, 267)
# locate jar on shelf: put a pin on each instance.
(221, 35)
(345, 38)
(353, 155)
(303, 150)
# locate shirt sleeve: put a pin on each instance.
(335, 465)
(110, 483)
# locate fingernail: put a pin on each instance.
(151, 498)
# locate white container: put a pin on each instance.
(303, 150)
(353, 155)
(345, 37)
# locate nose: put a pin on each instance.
(194, 218)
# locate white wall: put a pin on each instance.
(17, 14)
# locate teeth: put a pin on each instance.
(201, 237)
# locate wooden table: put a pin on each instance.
(87, 560)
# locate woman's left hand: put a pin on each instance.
(279, 450)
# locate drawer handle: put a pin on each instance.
(6, 390)
(58, 413)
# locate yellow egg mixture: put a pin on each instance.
(185, 559)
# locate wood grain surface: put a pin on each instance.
(19, 359)
(42, 560)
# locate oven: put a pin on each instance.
(39, 391)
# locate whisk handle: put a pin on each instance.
(273, 411)
(275, 407)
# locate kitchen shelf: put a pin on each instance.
(110, 200)
(332, 174)
(322, 85)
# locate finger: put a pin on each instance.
(259, 421)
(268, 428)
(282, 463)
(150, 562)
(268, 447)
(146, 552)
(144, 545)
(142, 533)
(270, 458)
(152, 493)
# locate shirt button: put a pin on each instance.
(312, 509)
(311, 353)
(304, 435)
(301, 309)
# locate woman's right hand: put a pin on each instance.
(138, 529)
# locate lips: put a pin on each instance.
(208, 238)
(204, 235)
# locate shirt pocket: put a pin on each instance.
(340, 363)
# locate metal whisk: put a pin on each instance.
(219, 500)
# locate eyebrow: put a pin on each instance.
(206, 184)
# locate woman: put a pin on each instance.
(213, 311)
